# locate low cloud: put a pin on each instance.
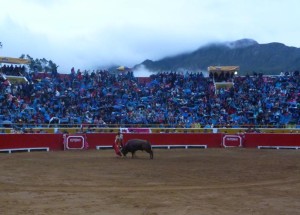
(142, 71)
(98, 33)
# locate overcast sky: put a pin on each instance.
(90, 34)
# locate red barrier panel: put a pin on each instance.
(255, 140)
(211, 140)
(100, 140)
(13, 141)
(55, 141)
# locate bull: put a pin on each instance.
(134, 145)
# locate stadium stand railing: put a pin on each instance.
(114, 128)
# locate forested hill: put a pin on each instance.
(271, 58)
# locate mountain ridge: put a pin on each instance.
(248, 54)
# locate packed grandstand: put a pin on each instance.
(166, 99)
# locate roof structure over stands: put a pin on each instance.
(219, 69)
(223, 75)
(19, 61)
(123, 68)
(12, 60)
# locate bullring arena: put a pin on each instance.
(205, 174)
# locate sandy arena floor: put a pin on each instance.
(177, 182)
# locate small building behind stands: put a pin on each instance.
(222, 76)
(15, 76)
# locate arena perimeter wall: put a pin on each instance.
(56, 141)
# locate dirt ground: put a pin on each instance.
(178, 181)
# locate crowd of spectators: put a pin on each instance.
(13, 70)
(222, 76)
(102, 98)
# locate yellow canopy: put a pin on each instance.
(123, 68)
(223, 68)
(12, 60)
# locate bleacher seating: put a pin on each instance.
(165, 100)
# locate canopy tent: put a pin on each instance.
(219, 69)
(12, 60)
(223, 76)
(123, 68)
(14, 77)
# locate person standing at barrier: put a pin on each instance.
(118, 144)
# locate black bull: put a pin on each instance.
(134, 145)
